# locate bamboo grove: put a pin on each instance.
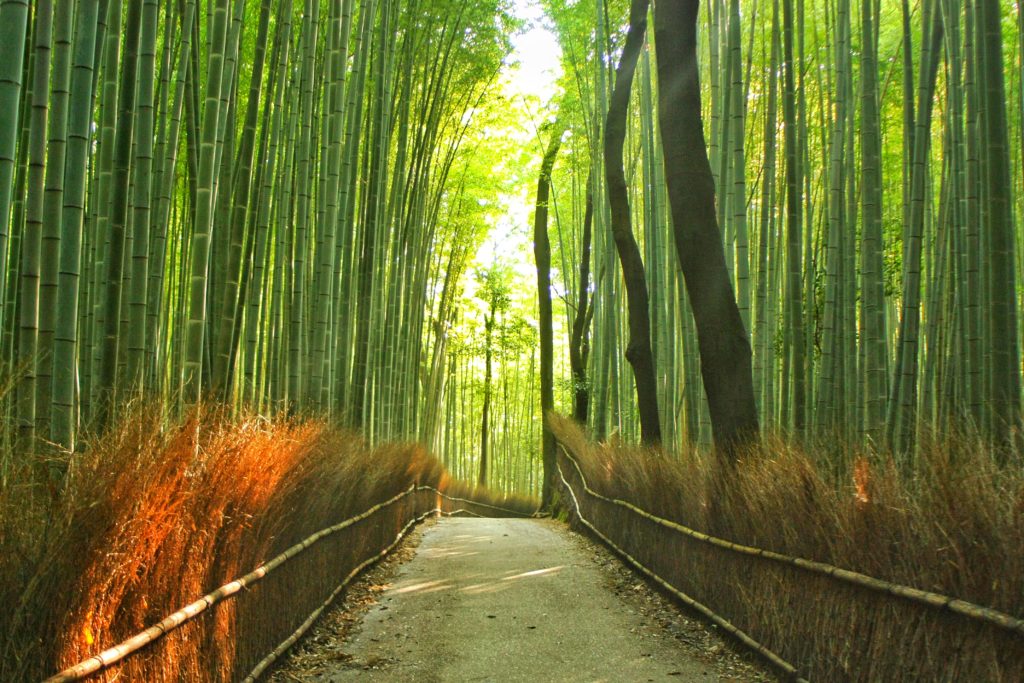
(234, 201)
(278, 205)
(868, 166)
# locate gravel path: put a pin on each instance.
(514, 600)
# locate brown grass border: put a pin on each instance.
(916, 595)
(157, 511)
(832, 623)
(136, 643)
(726, 625)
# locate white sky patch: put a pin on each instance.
(537, 53)
(531, 71)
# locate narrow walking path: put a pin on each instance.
(511, 600)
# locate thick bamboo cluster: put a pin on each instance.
(232, 201)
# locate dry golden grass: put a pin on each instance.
(952, 523)
(153, 516)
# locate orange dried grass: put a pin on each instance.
(154, 515)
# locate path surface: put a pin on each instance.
(508, 600)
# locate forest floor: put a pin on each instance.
(509, 600)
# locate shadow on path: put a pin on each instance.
(507, 600)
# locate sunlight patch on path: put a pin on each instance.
(507, 600)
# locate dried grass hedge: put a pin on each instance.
(953, 523)
(154, 516)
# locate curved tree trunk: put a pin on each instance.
(638, 352)
(579, 345)
(542, 255)
(722, 340)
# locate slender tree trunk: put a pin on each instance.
(542, 255)
(485, 418)
(724, 348)
(579, 344)
(141, 218)
(66, 343)
(764, 365)
(796, 357)
(52, 204)
(199, 265)
(903, 400)
(638, 351)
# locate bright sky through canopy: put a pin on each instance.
(536, 52)
(531, 73)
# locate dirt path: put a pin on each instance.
(515, 600)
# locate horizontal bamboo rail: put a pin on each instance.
(288, 642)
(775, 660)
(128, 647)
(916, 595)
(478, 503)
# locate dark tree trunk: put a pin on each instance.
(638, 353)
(579, 345)
(796, 355)
(542, 255)
(724, 349)
(486, 417)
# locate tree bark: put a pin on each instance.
(542, 255)
(485, 418)
(795, 361)
(579, 345)
(722, 340)
(638, 352)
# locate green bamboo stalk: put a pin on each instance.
(203, 231)
(63, 422)
(138, 295)
(13, 38)
(873, 330)
(31, 241)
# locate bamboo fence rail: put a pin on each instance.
(916, 595)
(469, 501)
(774, 659)
(287, 643)
(139, 641)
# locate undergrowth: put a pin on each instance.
(951, 522)
(154, 515)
